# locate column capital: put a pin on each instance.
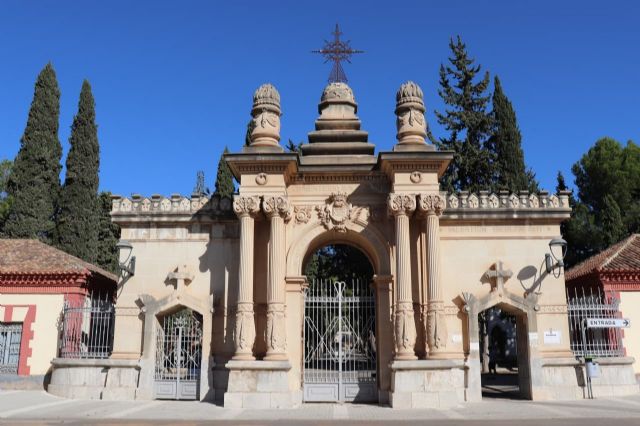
(401, 204)
(246, 205)
(277, 205)
(431, 204)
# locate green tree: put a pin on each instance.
(34, 182)
(79, 218)
(607, 208)
(5, 201)
(247, 136)
(294, 147)
(506, 142)
(200, 188)
(610, 219)
(468, 122)
(108, 235)
(224, 178)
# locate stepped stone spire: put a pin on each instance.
(338, 127)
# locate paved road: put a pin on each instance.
(40, 408)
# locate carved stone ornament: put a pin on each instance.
(261, 178)
(337, 91)
(411, 125)
(337, 213)
(302, 214)
(416, 177)
(436, 326)
(277, 205)
(245, 331)
(275, 335)
(266, 116)
(405, 329)
(432, 204)
(401, 204)
(246, 206)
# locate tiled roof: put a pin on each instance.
(622, 256)
(21, 256)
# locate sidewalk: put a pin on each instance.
(38, 405)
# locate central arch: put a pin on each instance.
(339, 356)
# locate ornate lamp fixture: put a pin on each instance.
(128, 266)
(555, 259)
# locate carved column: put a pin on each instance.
(432, 206)
(278, 210)
(245, 331)
(402, 206)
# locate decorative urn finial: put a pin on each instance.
(266, 116)
(412, 127)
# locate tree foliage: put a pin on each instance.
(506, 142)
(224, 178)
(468, 122)
(34, 182)
(338, 262)
(200, 187)
(607, 208)
(108, 235)
(5, 201)
(247, 136)
(78, 221)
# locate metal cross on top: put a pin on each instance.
(337, 51)
(500, 276)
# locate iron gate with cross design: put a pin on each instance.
(339, 342)
(178, 356)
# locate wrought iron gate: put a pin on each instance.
(10, 337)
(339, 342)
(178, 356)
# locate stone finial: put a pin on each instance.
(266, 116)
(411, 124)
(338, 93)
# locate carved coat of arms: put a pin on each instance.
(336, 213)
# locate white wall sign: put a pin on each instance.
(552, 337)
(456, 338)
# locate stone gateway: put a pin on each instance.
(219, 307)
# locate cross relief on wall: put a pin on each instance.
(498, 277)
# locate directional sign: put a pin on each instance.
(608, 323)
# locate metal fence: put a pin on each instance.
(87, 330)
(10, 339)
(597, 342)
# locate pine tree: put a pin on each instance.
(224, 178)
(34, 183)
(108, 235)
(293, 147)
(78, 219)
(468, 122)
(610, 218)
(506, 142)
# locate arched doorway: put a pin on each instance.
(340, 362)
(178, 355)
(504, 355)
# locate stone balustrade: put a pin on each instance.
(175, 204)
(507, 201)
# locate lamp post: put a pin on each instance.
(128, 266)
(555, 259)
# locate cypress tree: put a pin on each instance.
(224, 178)
(610, 218)
(506, 142)
(34, 182)
(200, 187)
(108, 235)
(78, 219)
(247, 136)
(5, 201)
(468, 122)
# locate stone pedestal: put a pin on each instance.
(111, 379)
(260, 385)
(427, 383)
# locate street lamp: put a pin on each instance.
(128, 266)
(555, 259)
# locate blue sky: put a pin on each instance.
(173, 81)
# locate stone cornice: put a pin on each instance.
(407, 162)
(270, 163)
(504, 205)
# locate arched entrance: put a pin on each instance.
(178, 355)
(502, 330)
(340, 362)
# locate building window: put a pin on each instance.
(10, 338)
